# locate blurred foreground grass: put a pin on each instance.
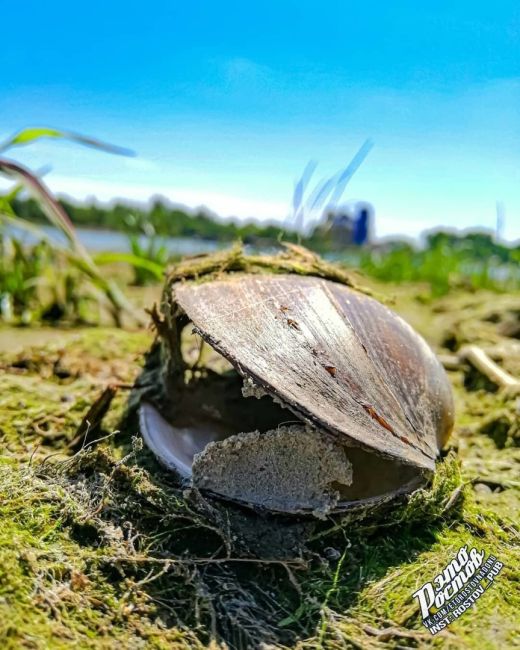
(38, 283)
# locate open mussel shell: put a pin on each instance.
(332, 402)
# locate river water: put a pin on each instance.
(110, 240)
(117, 242)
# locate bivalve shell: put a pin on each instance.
(342, 403)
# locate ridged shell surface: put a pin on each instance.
(336, 357)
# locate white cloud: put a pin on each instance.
(141, 164)
(225, 205)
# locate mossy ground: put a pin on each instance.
(102, 550)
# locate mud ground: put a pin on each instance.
(100, 548)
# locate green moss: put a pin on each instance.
(103, 550)
(294, 260)
(44, 392)
(53, 592)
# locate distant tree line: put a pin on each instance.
(166, 221)
(163, 220)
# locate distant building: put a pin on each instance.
(350, 225)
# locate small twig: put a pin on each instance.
(141, 559)
(33, 453)
(292, 579)
(91, 422)
(200, 356)
(450, 361)
(454, 499)
(393, 632)
(150, 577)
(485, 365)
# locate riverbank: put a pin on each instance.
(100, 549)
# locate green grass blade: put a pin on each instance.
(53, 210)
(12, 220)
(77, 254)
(29, 135)
(133, 260)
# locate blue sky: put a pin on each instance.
(226, 102)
